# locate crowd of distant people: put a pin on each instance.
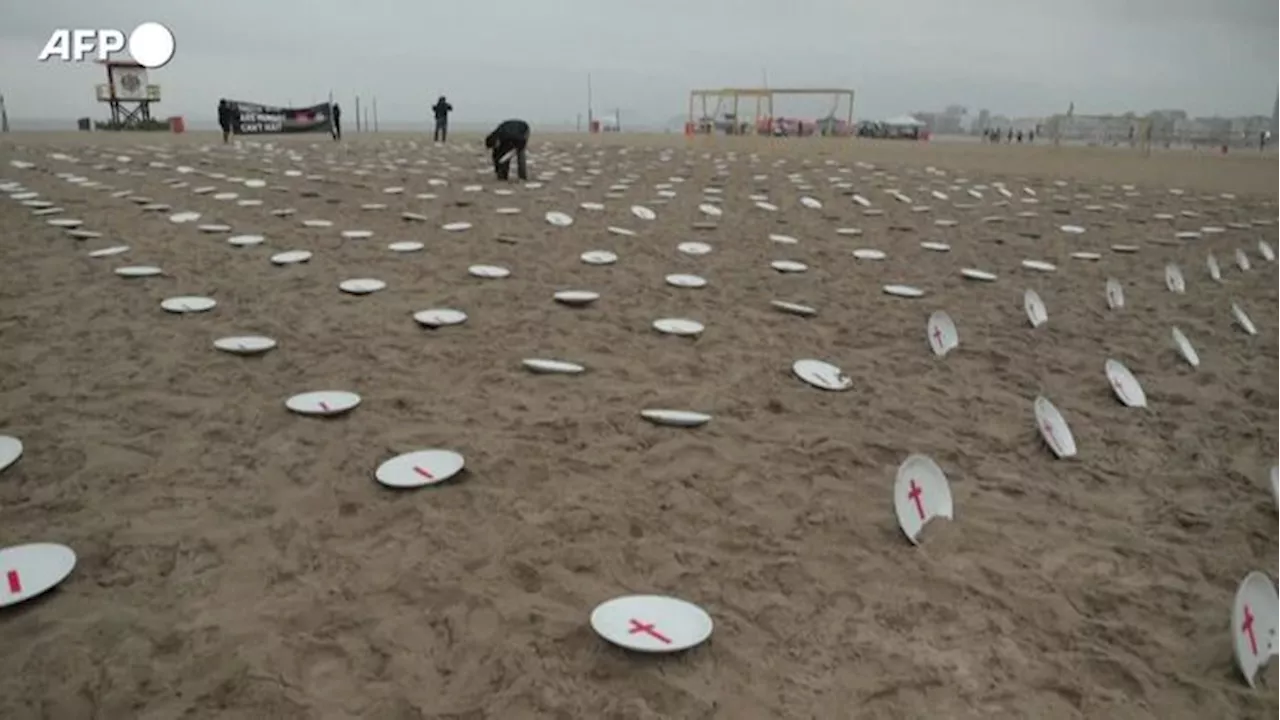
(996, 135)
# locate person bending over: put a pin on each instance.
(509, 139)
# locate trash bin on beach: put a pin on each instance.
(178, 124)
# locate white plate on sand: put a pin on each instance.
(595, 206)
(599, 257)
(1039, 265)
(184, 217)
(694, 248)
(1242, 261)
(1173, 279)
(979, 275)
(936, 246)
(109, 251)
(643, 212)
(291, 257)
(10, 450)
(942, 334)
(245, 344)
(905, 291)
(1126, 387)
(439, 317)
(678, 326)
(1242, 319)
(710, 210)
(576, 297)
(788, 266)
(1035, 309)
(1053, 428)
(1086, 255)
(361, 286)
(1253, 624)
(456, 226)
(419, 468)
(793, 308)
(685, 280)
(488, 271)
(1264, 249)
(413, 217)
(1215, 270)
(213, 228)
(624, 232)
(357, 234)
(317, 223)
(1124, 249)
(783, 239)
(551, 367)
(245, 240)
(675, 418)
(84, 234)
(822, 375)
(33, 569)
(65, 222)
(1115, 294)
(558, 219)
(136, 271)
(323, 402)
(811, 203)
(1072, 229)
(405, 246)
(1185, 348)
(651, 623)
(766, 206)
(920, 494)
(869, 254)
(188, 304)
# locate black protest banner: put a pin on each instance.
(256, 119)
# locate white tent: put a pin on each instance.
(903, 121)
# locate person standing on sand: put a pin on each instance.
(511, 137)
(441, 109)
(224, 119)
(336, 112)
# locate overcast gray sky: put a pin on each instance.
(530, 58)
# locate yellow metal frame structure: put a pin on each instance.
(764, 101)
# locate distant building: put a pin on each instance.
(948, 122)
(1275, 118)
(983, 123)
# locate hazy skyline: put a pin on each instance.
(501, 58)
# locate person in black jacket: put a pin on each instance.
(224, 118)
(442, 108)
(336, 112)
(510, 138)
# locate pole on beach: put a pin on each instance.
(590, 116)
(375, 113)
(4, 116)
(357, 113)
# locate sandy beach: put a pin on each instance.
(236, 560)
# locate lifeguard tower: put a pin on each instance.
(128, 93)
